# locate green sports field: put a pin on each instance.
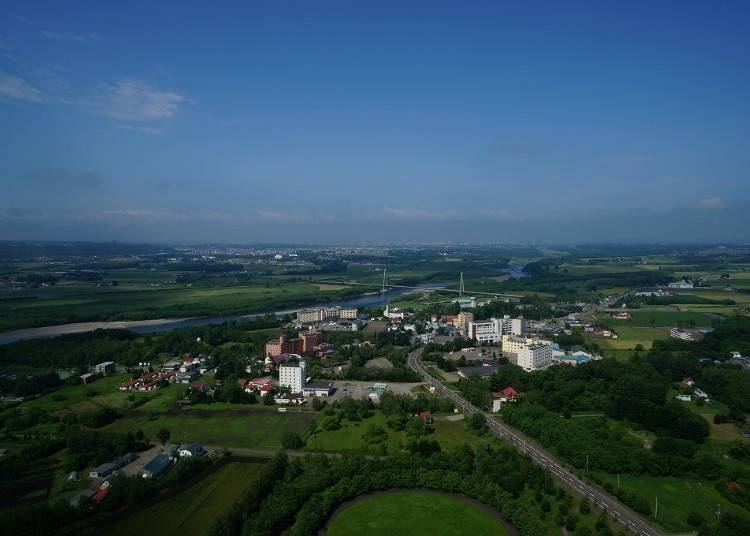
(415, 512)
(192, 511)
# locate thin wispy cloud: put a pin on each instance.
(130, 99)
(62, 36)
(711, 203)
(14, 88)
(15, 17)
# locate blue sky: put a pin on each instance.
(349, 121)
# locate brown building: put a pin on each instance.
(303, 344)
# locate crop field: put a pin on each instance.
(192, 511)
(642, 318)
(246, 427)
(414, 512)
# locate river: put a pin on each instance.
(168, 324)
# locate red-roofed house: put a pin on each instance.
(506, 395)
(263, 384)
(100, 495)
(426, 416)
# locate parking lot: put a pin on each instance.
(357, 389)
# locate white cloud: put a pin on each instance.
(14, 88)
(291, 217)
(80, 38)
(711, 203)
(130, 99)
(141, 214)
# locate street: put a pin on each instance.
(617, 510)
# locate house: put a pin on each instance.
(506, 395)
(681, 284)
(156, 466)
(701, 394)
(90, 377)
(684, 398)
(426, 416)
(292, 399)
(193, 449)
(105, 368)
(263, 385)
(687, 381)
(318, 388)
(104, 470)
(100, 495)
(73, 476)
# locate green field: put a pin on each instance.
(677, 498)
(104, 392)
(662, 318)
(449, 434)
(192, 511)
(244, 427)
(79, 303)
(414, 512)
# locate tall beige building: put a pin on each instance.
(461, 322)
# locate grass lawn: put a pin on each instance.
(247, 427)
(104, 392)
(677, 498)
(192, 511)
(413, 512)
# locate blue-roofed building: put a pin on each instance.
(156, 466)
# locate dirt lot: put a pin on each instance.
(379, 362)
(357, 389)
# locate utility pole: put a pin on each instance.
(718, 513)
(586, 469)
(656, 510)
(618, 480)
(461, 285)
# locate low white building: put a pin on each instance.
(293, 375)
(535, 356)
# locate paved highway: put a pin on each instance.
(617, 510)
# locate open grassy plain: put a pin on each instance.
(414, 512)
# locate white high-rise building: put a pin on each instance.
(486, 330)
(492, 330)
(535, 356)
(293, 375)
(513, 326)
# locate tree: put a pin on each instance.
(163, 435)
(695, 519)
(291, 441)
(478, 422)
